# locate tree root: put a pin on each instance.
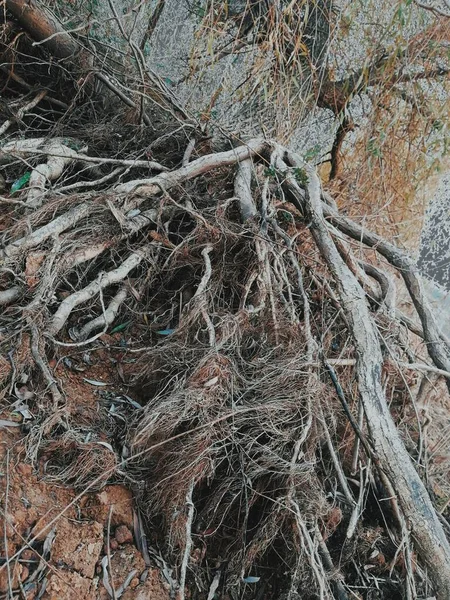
(391, 453)
(102, 281)
(106, 318)
(248, 295)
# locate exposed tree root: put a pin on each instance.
(389, 448)
(265, 354)
(103, 280)
(214, 344)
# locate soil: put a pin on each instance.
(67, 533)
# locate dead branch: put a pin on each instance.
(23, 110)
(152, 23)
(44, 27)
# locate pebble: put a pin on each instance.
(29, 554)
(123, 535)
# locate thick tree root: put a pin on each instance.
(103, 280)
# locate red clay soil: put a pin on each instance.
(77, 539)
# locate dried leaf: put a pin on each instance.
(95, 382)
(211, 382)
(23, 393)
(5, 423)
(32, 265)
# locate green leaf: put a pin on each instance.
(95, 382)
(374, 149)
(21, 182)
(165, 331)
(120, 327)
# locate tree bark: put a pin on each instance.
(43, 26)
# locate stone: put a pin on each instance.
(123, 535)
(68, 585)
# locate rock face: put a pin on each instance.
(434, 252)
(439, 298)
(434, 257)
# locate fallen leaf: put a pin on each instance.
(250, 579)
(120, 327)
(4, 423)
(211, 382)
(95, 382)
(32, 265)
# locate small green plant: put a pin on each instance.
(301, 176)
(270, 172)
(437, 125)
(285, 217)
(373, 148)
(312, 153)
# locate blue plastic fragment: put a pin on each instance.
(250, 579)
